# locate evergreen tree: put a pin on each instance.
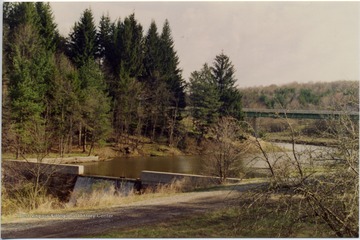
(126, 64)
(21, 13)
(47, 26)
(83, 40)
(132, 47)
(64, 103)
(169, 69)
(28, 72)
(94, 104)
(152, 59)
(157, 94)
(170, 75)
(204, 97)
(29, 68)
(104, 37)
(127, 105)
(6, 113)
(223, 72)
(213, 94)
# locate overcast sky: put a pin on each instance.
(268, 42)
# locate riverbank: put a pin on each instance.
(145, 147)
(305, 140)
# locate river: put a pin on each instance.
(131, 167)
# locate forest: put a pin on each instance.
(101, 83)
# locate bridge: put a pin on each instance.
(298, 114)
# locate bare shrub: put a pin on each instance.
(272, 125)
(27, 184)
(275, 213)
(21, 198)
(185, 184)
(225, 151)
(320, 186)
(101, 194)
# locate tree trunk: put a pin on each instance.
(61, 146)
(154, 128)
(80, 135)
(84, 141)
(18, 147)
(172, 127)
(70, 138)
(91, 147)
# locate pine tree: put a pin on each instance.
(127, 60)
(47, 26)
(223, 72)
(170, 74)
(132, 51)
(156, 92)
(104, 37)
(204, 96)
(27, 86)
(83, 40)
(169, 70)
(94, 104)
(152, 59)
(21, 13)
(127, 104)
(64, 103)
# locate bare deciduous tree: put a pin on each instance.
(225, 151)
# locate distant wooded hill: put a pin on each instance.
(338, 95)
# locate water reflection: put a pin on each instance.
(131, 167)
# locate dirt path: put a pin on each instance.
(85, 223)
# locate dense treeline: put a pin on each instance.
(103, 82)
(338, 95)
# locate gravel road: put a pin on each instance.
(84, 223)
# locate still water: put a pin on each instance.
(131, 167)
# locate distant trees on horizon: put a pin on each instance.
(337, 95)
